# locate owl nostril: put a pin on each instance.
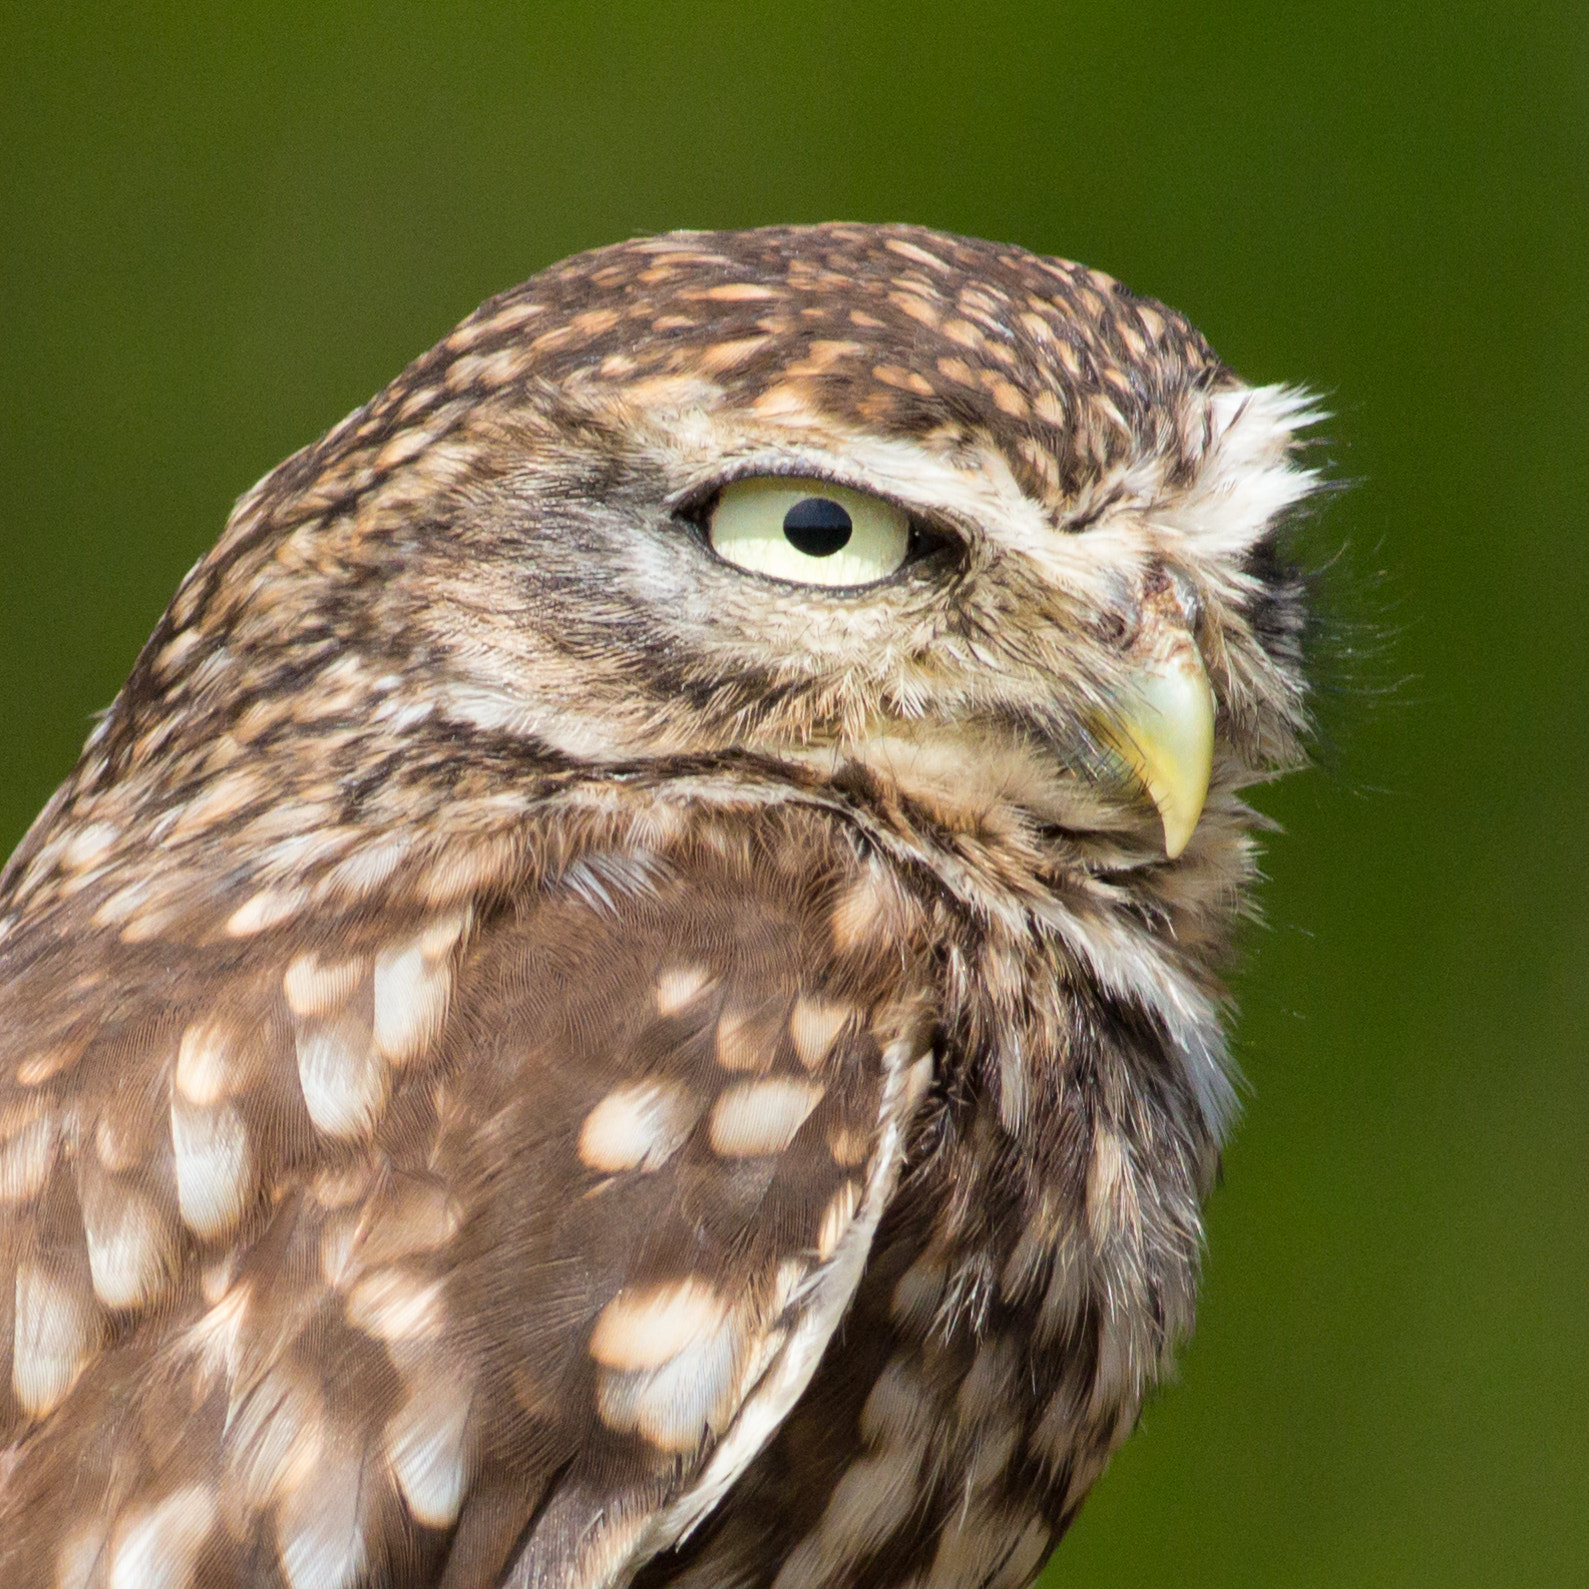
(1166, 603)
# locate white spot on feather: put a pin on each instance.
(743, 1043)
(864, 913)
(425, 1447)
(48, 1062)
(814, 1025)
(646, 1326)
(637, 1128)
(440, 936)
(368, 868)
(848, 1144)
(215, 1337)
(91, 843)
(268, 908)
(79, 1555)
(411, 991)
(836, 1219)
(317, 986)
(120, 1143)
(157, 1547)
(344, 1080)
(1112, 1206)
(761, 1116)
(395, 1306)
(678, 986)
(25, 1159)
(337, 1237)
(214, 1166)
(55, 1328)
(206, 1062)
(673, 1406)
(318, 1535)
(129, 1245)
(274, 1439)
(215, 1279)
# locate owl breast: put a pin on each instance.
(1027, 1286)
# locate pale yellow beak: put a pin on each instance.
(1164, 731)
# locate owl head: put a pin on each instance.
(888, 508)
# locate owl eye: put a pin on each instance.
(808, 531)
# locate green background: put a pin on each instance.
(218, 233)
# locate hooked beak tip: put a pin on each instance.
(1165, 734)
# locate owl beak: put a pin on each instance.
(1165, 733)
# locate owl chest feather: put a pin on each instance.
(1027, 1286)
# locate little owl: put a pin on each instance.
(630, 991)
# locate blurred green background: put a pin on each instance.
(219, 232)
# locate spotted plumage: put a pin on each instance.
(533, 1052)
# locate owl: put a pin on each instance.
(630, 993)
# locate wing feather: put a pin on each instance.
(421, 1248)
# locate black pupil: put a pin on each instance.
(817, 526)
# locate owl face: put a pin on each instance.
(974, 653)
(1055, 573)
